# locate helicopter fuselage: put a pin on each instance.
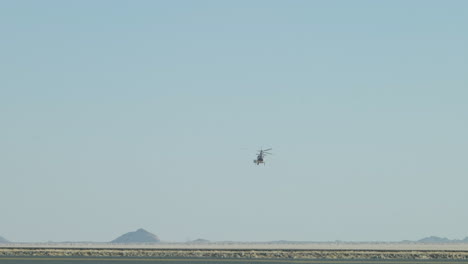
(261, 155)
(259, 159)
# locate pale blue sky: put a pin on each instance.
(117, 115)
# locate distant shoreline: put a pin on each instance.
(248, 246)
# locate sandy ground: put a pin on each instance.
(403, 251)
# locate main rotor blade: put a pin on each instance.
(267, 149)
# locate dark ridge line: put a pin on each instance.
(237, 249)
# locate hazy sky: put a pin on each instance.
(119, 115)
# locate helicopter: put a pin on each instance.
(261, 155)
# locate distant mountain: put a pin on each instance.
(2, 240)
(139, 236)
(435, 239)
(200, 241)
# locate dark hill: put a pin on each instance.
(139, 236)
(2, 240)
(200, 241)
(435, 239)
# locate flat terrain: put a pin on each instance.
(127, 260)
(381, 252)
